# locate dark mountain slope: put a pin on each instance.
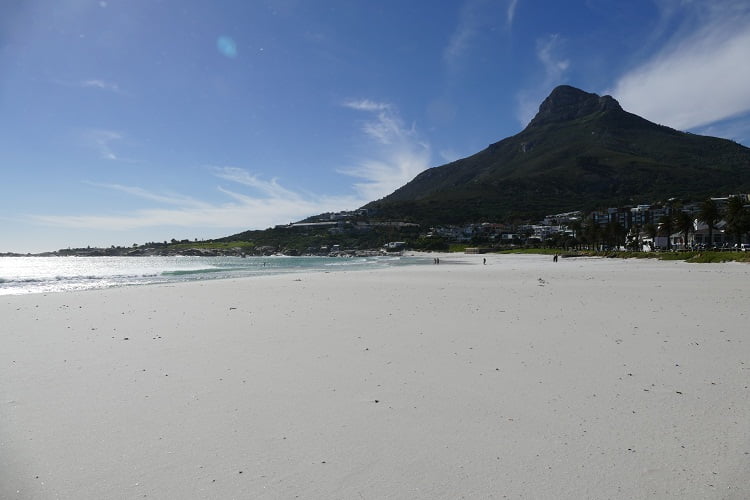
(581, 151)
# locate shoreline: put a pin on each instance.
(64, 274)
(586, 378)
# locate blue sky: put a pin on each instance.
(123, 122)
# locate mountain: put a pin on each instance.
(580, 152)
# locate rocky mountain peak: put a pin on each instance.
(569, 103)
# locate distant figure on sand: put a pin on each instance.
(554, 259)
(484, 260)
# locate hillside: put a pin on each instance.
(580, 152)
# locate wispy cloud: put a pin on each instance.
(92, 83)
(460, 39)
(467, 29)
(273, 205)
(105, 143)
(394, 156)
(101, 84)
(474, 16)
(550, 52)
(269, 189)
(386, 128)
(701, 76)
(366, 105)
(512, 4)
(102, 140)
(169, 198)
(399, 154)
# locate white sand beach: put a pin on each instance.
(522, 378)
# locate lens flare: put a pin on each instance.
(226, 47)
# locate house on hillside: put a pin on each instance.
(700, 236)
(394, 246)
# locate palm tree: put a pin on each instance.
(592, 233)
(650, 230)
(666, 225)
(684, 224)
(738, 218)
(576, 227)
(614, 235)
(709, 214)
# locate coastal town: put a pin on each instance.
(718, 223)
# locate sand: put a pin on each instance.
(522, 378)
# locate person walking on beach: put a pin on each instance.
(554, 259)
(484, 260)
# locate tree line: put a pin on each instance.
(590, 234)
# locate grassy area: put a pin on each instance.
(708, 257)
(697, 257)
(215, 245)
(542, 251)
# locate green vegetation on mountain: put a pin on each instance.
(310, 240)
(580, 152)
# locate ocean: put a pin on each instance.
(22, 275)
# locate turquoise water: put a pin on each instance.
(21, 275)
